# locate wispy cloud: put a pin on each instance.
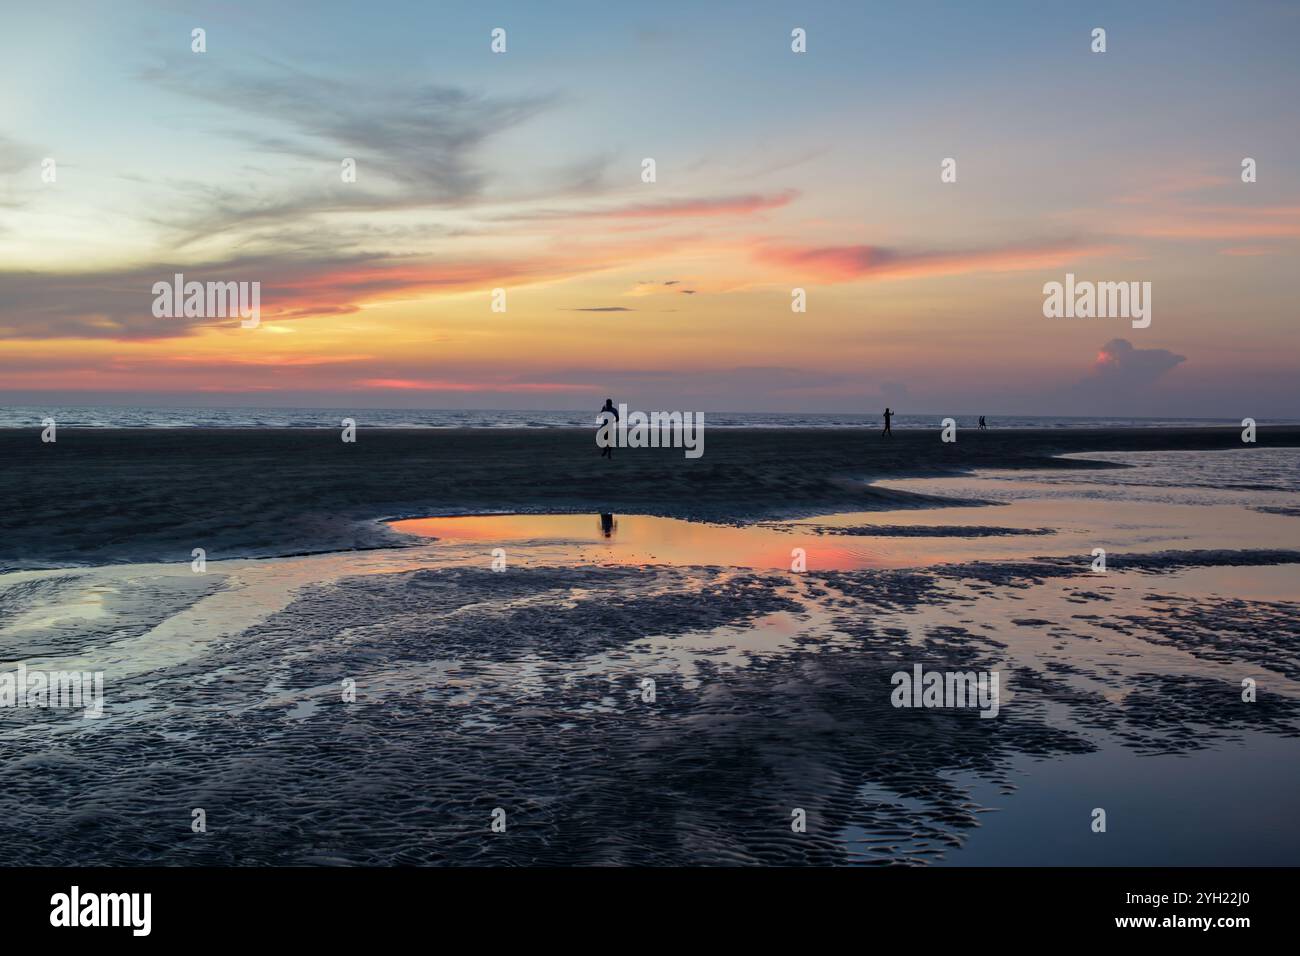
(424, 137)
(446, 385)
(1219, 221)
(117, 304)
(855, 262)
(16, 156)
(742, 205)
(416, 146)
(1192, 205)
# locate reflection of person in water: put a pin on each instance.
(607, 525)
(888, 416)
(609, 409)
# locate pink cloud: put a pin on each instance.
(850, 263)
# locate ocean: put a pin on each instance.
(132, 416)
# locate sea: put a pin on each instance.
(129, 416)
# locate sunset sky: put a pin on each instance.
(775, 170)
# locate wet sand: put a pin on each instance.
(115, 495)
(525, 689)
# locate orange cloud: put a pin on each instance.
(272, 360)
(116, 304)
(427, 385)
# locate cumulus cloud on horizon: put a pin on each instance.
(1120, 363)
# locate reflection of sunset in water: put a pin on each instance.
(643, 539)
(1035, 520)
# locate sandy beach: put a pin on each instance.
(111, 495)
(524, 687)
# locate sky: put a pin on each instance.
(774, 171)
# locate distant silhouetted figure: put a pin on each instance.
(607, 525)
(982, 425)
(608, 450)
(888, 430)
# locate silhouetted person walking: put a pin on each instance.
(888, 416)
(608, 450)
(982, 425)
